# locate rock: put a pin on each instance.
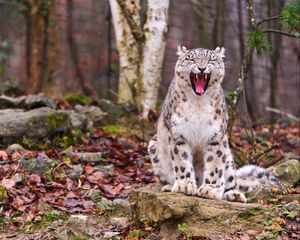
(106, 170)
(37, 101)
(78, 120)
(93, 113)
(38, 165)
(287, 171)
(9, 102)
(77, 225)
(123, 203)
(109, 235)
(105, 202)
(75, 171)
(203, 217)
(17, 125)
(27, 102)
(120, 222)
(90, 157)
(19, 179)
(14, 148)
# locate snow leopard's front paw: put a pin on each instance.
(234, 196)
(211, 192)
(186, 186)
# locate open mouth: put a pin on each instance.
(199, 82)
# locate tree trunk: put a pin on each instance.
(128, 48)
(36, 39)
(141, 50)
(50, 49)
(155, 31)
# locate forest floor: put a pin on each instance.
(39, 207)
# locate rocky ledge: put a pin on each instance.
(201, 217)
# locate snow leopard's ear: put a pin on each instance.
(220, 51)
(181, 50)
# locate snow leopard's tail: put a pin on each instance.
(251, 177)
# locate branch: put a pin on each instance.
(134, 27)
(288, 115)
(268, 19)
(280, 32)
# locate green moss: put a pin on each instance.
(63, 142)
(48, 218)
(32, 144)
(74, 98)
(34, 120)
(245, 215)
(113, 129)
(56, 120)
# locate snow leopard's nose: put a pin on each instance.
(202, 69)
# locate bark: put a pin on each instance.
(85, 86)
(276, 41)
(243, 73)
(40, 43)
(155, 41)
(36, 49)
(50, 49)
(141, 50)
(128, 49)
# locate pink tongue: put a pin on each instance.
(199, 86)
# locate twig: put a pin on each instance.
(288, 115)
(280, 32)
(256, 158)
(268, 19)
(57, 167)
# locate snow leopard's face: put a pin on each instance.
(201, 68)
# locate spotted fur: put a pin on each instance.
(190, 152)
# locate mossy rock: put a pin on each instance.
(75, 98)
(33, 128)
(202, 217)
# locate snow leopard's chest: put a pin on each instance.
(196, 121)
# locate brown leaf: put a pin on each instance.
(87, 204)
(88, 169)
(3, 156)
(96, 177)
(34, 179)
(18, 204)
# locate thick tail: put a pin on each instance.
(251, 177)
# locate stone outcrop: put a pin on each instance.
(203, 217)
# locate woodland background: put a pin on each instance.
(77, 51)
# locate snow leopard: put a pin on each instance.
(190, 151)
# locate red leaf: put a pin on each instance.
(96, 177)
(88, 169)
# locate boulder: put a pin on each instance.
(202, 217)
(287, 171)
(93, 113)
(27, 102)
(78, 120)
(17, 125)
